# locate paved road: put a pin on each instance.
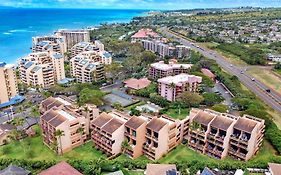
(272, 99)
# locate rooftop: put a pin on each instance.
(134, 122)
(160, 169)
(102, 119)
(162, 66)
(137, 83)
(180, 79)
(275, 168)
(112, 125)
(245, 124)
(14, 170)
(156, 124)
(222, 122)
(61, 168)
(203, 117)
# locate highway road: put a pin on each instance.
(271, 98)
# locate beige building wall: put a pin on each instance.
(8, 85)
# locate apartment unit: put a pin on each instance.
(172, 86)
(8, 85)
(74, 36)
(162, 135)
(144, 34)
(51, 43)
(97, 56)
(89, 111)
(135, 129)
(42, 69)
(108, 133)
(86, 70)
(218, 134)
(160, 69)
(182, 51)
(69, 123)
(246, 138)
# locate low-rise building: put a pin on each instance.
(160, 69)
(8, 85)
(172, 86)
(137, 84)
(60, 114)
(108, 133)
(5, 133)
(144, 34)
(274, 58)
(62, 168)
(219, 134)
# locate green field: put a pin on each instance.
(174, 113)
(34, 149)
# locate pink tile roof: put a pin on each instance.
(208, 73)
(61, 168)
(137, 83)
(144, 33)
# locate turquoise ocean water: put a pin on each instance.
(17, 26)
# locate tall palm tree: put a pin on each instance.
(172, 86)
(59, 134)
(80, 130)
(125, 145)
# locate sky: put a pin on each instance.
(139, 4)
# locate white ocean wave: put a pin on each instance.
(21, 31)
(7, 33)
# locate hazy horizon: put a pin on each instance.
(138, 4)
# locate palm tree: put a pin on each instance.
(18, 121)
(125, 145)
(172, 86)
(80, 130)
(59, 134)
(54, 146)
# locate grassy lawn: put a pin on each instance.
(278, 71)
(267, 77)
(174, 113)
(34, 149)
(182, 153)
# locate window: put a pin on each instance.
(134, 133)
(134, 142)
(155, 144)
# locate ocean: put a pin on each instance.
(18, 26)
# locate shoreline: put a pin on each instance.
(23, 35)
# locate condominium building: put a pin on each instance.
(69, 123)
(86, 70)
(162, 135)
(82, 47)
(172, 86)
(89, 111)
(246, 138)
(51, 43)
(160, 69)
(148, 135)
(144, 34)
(8, 85)
(42, 69)
(73, 37)
(108, 133)
(135, 129)
(218, 134)
(60, 114)
(164, 49)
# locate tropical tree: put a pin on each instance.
(125, 145)
(190, 99)
(80, 131)
(58, 134)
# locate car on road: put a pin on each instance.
(231, 65)
(268, 90)
(253, 79)
(242, 72)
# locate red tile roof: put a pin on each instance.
(137, 84)
(144, 33)
(61, 168)
(208, 73)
